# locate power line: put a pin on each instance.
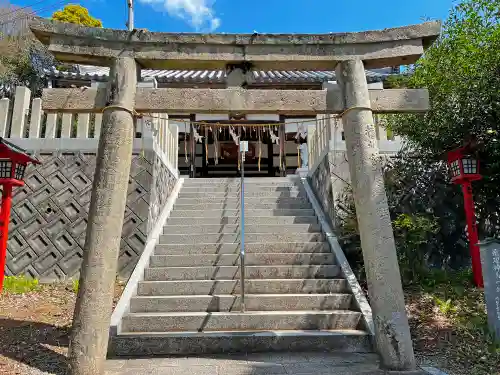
(33, 13)
(16, 10)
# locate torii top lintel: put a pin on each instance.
(154, 50)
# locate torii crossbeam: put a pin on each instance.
(153, 50)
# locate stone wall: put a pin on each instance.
(331, 182)
(321, 183)
(49, 214)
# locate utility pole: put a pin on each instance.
(130, 22)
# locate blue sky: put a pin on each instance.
(263, 16)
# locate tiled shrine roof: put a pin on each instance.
(97, 73)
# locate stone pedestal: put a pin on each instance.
(490, 260)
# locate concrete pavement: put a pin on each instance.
(251, 364)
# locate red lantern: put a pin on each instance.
(465, 169)
(13, 163)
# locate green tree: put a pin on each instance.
(77, 14)
(461, 70)
(462, 73)
(74, 13)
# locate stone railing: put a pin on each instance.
(24, 122)
(328, 136)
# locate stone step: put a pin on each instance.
(232, 272)
(253, 302)
(255, 259)
(235, 201)
(260, 181)
(252, 220)
(223, 321)
(195, 238)
(290, 193)
(234, 213)
(234, 205)
(235, 228)
(209, 180)
(255, 286)
(147, 344)
(234, 189)
(250, 248)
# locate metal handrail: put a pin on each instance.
(242, 230)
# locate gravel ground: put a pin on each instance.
(34, 331)
(440, 342)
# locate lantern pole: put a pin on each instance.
(470, 216)
(4, 230)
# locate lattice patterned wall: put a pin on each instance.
(49, 215)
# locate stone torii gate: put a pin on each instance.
(127, 52)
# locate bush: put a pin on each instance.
(412, 233)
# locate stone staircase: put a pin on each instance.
(189, 298)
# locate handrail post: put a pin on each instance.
(243, 149)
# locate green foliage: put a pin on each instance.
(462, 73)
(19, 284)
(421, 187)
(415, 228)
(77, 14)
(75, 285)
(412, 233)
(397, 81)
(428, 222)
(446, 307)
(459, 280)
(462, 305)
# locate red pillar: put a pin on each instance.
(4, 229)
(470, 216)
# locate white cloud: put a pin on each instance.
(198, 13)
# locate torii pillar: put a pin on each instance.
(89, 336)
(392, 333)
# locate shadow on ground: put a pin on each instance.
(29, 343)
